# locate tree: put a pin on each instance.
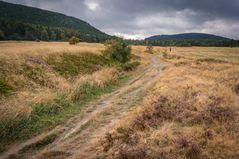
(1, 35)
(74, 40)
(29, 35)
(62, 36)
(117, 50)
(53, 36)
(44, 35)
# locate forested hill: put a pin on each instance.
(187, 36)
(18, 22)
(191, 39)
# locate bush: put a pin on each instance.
(74, 40)
(117, 50)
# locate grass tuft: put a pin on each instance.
(5, 88)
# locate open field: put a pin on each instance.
(192, 111)
(8, 49)
(182, 104)
(221, 53)
(42, 84)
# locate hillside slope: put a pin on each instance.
(187, 36)
(28, 23)
(191, 39)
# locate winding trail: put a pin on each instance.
(79, 134)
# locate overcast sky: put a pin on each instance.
(143, 18)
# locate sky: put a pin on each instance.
(137, 19)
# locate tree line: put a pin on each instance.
(13, 30)
(187, 42)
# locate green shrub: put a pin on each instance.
(74, 40)
(117, 50)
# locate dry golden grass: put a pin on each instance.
(17, 50)
(23, 65)
(191, 112)
(221, 53)
(98, 79)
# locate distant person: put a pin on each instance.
(170, 49)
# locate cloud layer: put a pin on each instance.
(141, 18)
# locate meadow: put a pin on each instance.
(44, 83)
(189, 111)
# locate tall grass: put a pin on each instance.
(48, 115)
(5, 88)
(42, 88)
(190, 113)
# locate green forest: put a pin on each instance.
(19, 22)
(188, 42)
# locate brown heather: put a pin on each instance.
(191, 112)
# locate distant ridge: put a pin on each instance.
(187, 36)
(25, 23)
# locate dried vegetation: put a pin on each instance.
(191, 112)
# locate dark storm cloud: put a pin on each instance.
(140, 18)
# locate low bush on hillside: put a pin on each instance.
(74, 40)
(117, 50)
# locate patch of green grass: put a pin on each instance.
(87, 91)
(69, 65)
(5, 88)
(48, 115)
(37, 74)
(43, 116)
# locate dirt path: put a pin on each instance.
(79, 134)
